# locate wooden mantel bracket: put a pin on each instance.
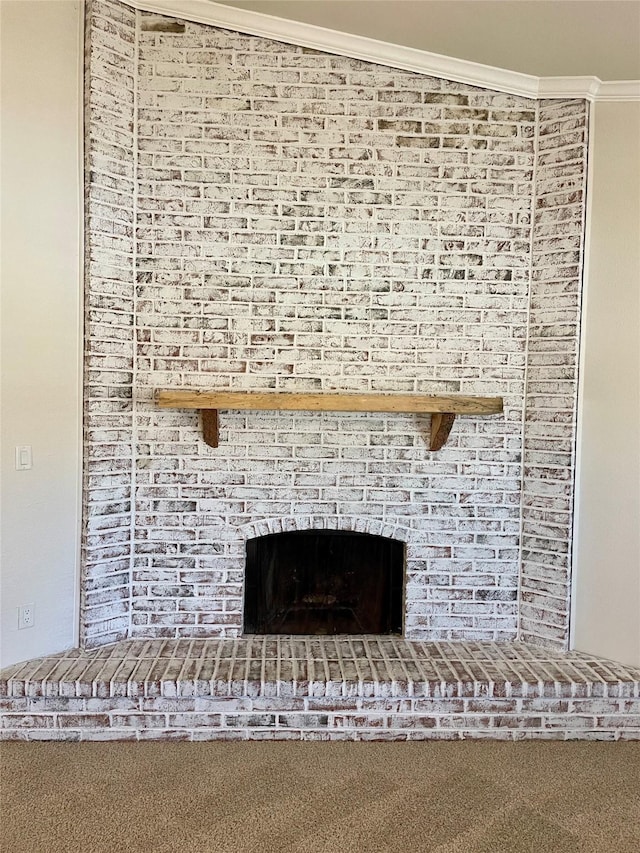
(443, 410)
(441, 423)
(210, 426)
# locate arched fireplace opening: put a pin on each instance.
(324, 582)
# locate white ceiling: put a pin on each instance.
(546, 38)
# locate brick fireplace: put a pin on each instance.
(265, 217)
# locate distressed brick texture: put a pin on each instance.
(552, 377)
(109, 307)
(311, 222)
(319, 688)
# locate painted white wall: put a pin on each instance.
(40, 321)
(607, 532)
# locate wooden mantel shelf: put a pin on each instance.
(443, 410)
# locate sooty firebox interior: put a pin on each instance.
(324, 582)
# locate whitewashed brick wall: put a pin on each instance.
(552, 378)
(311, 222)
(109, 307)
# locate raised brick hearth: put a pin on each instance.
(319, 688)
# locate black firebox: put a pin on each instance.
(324, 582)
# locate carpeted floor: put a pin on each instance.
(251, 797)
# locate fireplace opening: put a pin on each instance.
(324, 582)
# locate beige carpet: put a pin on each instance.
(465, 797)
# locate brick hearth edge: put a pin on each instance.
(318, 688)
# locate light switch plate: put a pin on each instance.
(24, 457)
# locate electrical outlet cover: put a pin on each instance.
(26, 616)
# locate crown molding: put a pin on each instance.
(590, 88)
(569, 87)
(390, 55)
(619, 90)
